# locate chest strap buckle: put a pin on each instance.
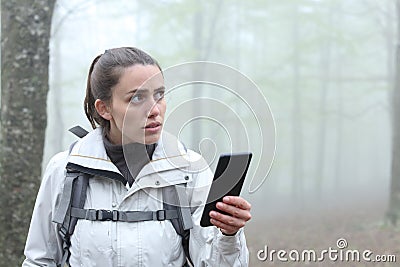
(160, 215)
(107, 215)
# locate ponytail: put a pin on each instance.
(88, 105)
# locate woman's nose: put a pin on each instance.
(154, 110)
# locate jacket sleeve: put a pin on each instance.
(207, 245)
(43, 245)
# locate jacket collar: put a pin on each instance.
(89, 153)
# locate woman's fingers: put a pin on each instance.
(234, 211)
(238, 213)
(237, 201)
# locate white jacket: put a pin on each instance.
(111, 243)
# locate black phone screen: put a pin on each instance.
(228, 181)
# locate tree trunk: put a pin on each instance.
(297, 132)
(326, 48)
(338, 78)
(25, 33)
(198, 23)
(394, 205)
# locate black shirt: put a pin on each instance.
(129, 158)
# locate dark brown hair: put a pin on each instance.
(104, 73)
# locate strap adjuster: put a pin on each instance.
(160, 215)
(63, 231)
(107, 215)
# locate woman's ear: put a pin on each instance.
(103, 109)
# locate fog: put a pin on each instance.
(325, 69)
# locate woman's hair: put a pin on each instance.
(104, 73)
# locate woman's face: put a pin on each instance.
(137, 106)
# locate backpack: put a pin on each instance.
(70, 207)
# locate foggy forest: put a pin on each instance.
(312, 89)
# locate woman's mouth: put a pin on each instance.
(153, 127)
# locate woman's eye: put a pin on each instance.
(159, 96)
(137, 98)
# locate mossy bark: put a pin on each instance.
(25, 34)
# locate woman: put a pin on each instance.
(132, 161)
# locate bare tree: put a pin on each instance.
(203, 40)
(394, 205)
(25, 34)
(297, 132)
(338, 76)
(326, 73)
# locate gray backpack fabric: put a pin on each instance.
(70, 208)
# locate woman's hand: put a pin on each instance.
(239, 213)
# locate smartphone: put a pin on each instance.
(228, 181)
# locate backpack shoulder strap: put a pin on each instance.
(175, 198)
(73, 195)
